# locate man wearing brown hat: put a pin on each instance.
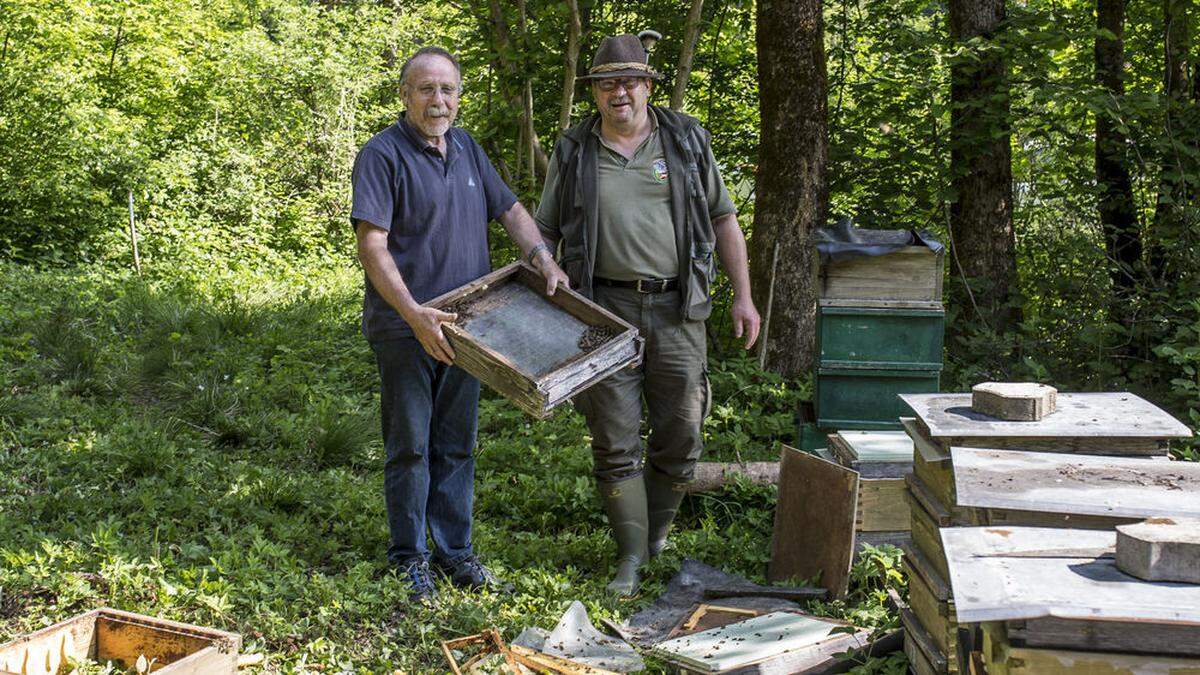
(635, 204)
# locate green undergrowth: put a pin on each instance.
(208, 451)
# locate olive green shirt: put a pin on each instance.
(635, 237)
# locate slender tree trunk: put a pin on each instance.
(510, 74)
(981, 161)
(1118, 214)
(1169, 228)
(691, 33)
(570, 64)
(791, 190)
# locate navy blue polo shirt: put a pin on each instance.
(435, 210)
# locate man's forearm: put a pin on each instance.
(731, 249)
(523, 230)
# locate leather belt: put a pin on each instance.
(642, 285)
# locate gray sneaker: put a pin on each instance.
(471, 573)
(420, 582)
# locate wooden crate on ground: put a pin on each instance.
(913, 273)
(536, 350)
(104, 635)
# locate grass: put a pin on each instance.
(208, 451)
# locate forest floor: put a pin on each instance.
(208, 451)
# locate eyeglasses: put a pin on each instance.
(612, 83)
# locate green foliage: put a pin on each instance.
(218, 461)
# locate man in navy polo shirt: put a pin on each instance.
(423, 195)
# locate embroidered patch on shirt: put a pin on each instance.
(660, 170)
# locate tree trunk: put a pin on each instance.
(691, 33)
(570, 64)
(1118, 215)
(514, 95)
(981, 161)
(790, 187)
(1169, 229)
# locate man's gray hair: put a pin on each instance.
(428, 51)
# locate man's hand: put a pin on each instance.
(551, 272)
(426, 324)
(745, 320)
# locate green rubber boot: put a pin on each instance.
(663, 496)
(625, 505)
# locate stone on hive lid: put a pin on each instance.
(1014, 401)
(1160, 549)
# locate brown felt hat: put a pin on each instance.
(621, 56)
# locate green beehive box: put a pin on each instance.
(862, 398)
(880, 338)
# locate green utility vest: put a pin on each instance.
(684, 144)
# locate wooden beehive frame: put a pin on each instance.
(112, 635)
(537, 395)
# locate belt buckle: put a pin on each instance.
(656, 285)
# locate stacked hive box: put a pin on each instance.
(1054, 600)
(882, 460)
(948, 488)
(880, 324)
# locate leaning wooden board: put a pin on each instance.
(1098, 424)
(814, 521)
(111, 635)
(527, 345)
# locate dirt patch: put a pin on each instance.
(595, 336)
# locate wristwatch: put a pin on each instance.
(541, 246)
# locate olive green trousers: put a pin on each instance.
(672, 380)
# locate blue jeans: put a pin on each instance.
(430, 416)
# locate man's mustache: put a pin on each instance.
(434, 111)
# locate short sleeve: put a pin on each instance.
(372, 186)
(497, 195)
(547, 217)
(719, 202)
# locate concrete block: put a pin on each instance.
(1014, 401)
(1160, 549)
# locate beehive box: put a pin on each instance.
(882, 460)
(535, 350)
(105, 635)
(913, 273)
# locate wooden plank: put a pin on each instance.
(926, 536)
(938, 480)
(881, 304)
(923, 655)
(814, 521)
(1116, 487)
(1006, 573)
(1114, 416)
(123, 637)
(929, 450)
(919, 564)
(936, 616)
(1111, 636)
(48, 649)
(1026, 661)
(910, 273)
(882, 506)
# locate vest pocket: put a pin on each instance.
(703, 271)
(572, 263)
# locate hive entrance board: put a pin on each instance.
(534, 349)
